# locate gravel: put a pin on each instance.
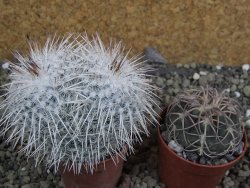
(140, 170)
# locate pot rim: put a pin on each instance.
(244, 139)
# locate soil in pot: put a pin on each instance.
(176, 172)
(106, 175)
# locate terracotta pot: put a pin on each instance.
(177, 172)
(103, 177)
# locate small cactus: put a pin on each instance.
(205, 121)
(76, 102)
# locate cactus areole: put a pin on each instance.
(77, 102)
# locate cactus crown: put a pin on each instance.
(205, 121)
(77, 101)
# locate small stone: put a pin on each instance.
(61, 184)
(162, 185)
(235, 81)
(245, 167)
(210, 77)
(202, 161)
(203, 73)
(193, 65)
(25, 179)
(233, 87)
(203, 80)
(175, 146)
(245, 67)
(8, 154)
(242, 173)
(1, 170)
(137, 180)
(192, 156)
(22, 172)
(184, 154)
(146, 178)
(153, 55)
(186, 83)
(2, 153)
(137, 185)
(39, 170)
(247, 124)
(227, 90)
(160, 81)
(11, 175)
(5, 65)
(27, 186)
(248, 113)
(223, 161)
(170, 82)
(237, 94)
(228, 182)
(151, 183)
(218, 67)
(178, 65)
(246, 91)
(144, 185)
(44, 184)
(196, 76)
(230, 157)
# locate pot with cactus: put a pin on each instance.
(201, 137)
(79, 107)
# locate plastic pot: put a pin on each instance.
(177, 172)
(106, 175)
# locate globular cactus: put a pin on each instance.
(76, 102)
(206, 122)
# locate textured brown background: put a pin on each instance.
(185, 31)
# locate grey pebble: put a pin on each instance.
(27, 186)
(228, 182)
(25, 179)
(185, 83)
(44, 184)
(244, 173)
(151, 182)
(144, 185)
(153, 55)
(246, 91)
(233, 88)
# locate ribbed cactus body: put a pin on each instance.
(206, 122)
(78, 102)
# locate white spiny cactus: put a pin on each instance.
(76, 102)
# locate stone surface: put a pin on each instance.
(246, 91)
(153, 55)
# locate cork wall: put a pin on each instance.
(185, 31)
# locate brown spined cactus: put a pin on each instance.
(205, 121)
